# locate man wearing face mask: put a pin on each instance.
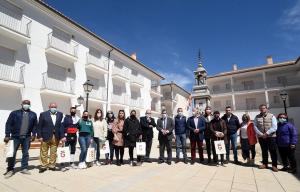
(147, 125)
(21, 128)
(207, 133)
(71, 128)
(180, 134)
(265, 126)
(50, 133)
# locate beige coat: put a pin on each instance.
(100, 129)
(118, 132)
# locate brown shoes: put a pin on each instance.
(263, 166)
(275, 169)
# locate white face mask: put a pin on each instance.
(180, 113)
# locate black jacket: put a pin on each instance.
(170, 127)
(146, 130)
(132, 130)
(233, 124)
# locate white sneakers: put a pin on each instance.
(98, 163)
(82, 165)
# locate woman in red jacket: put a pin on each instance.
(248, 139)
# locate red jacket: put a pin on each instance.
(251, 133)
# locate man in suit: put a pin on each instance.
(50, 132)
(165, 126)
(196, 125)
(147, 125)
(20, 127)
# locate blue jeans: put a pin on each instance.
(181, 145)
(232, 140)
(25, 142)
(84, 142)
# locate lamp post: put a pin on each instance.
(80, 101)
(284, 95)
(88, 87)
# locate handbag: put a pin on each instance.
(63, 155)
(140, 148)
(220, 147)
(91, 155)
(9, 149)
(105, 148)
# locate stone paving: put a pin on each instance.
(149, 177)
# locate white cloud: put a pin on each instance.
(290, 20)
(183, 80)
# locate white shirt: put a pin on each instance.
(164, 121)
(244, 131)
(53, 117)
(196, 122)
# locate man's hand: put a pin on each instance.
(32, 138)
(265, 135)
(293, 146)
(196, 131)
(40, 139)
(150, 126)
(6, 139)
(63, 140)
(140, 137)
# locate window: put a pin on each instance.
(118, 90)
(57, 72)
(134, 72)
(282, 80)
(216, 88)
(217, 104)
(227, 86)
(62, 35)
(95, 52)
(228, 102)
(276, 99)
(7, 56)
(118, 64)
(248, 85)
(251, 103)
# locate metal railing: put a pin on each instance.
(57, 85)
(100, 93)
(289, 81)
(156, 89)
(8, 20)
(91, 59)
(61, 45)
(120, 99)
(139, 102)
(248, 87)
(137, 79)
(121, 72)
(220, 90)
(13, 73)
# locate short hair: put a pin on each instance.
(216, 112)
(228, 107)
(162, 111)
(179, 108)
(263, 105)
(85, 111)
(207, 107)
(72, 108)
(282, 114)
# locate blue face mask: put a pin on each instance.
(282, 120)
(25, 107)
(53, 110)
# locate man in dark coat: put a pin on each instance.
(147, 125)
(165, 126)
(21, 128)
(50, 132)
(132, 133)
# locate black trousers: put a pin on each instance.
(130, 149)
(119, 151)
(148, 142)
(287, 155)
(208, 143)
(268, 145)
(71, 141)
(165, 143)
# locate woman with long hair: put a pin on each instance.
(100, 132)
(118, 140)
(110, 118)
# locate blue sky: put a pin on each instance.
(167, 34)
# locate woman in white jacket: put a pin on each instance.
(100, 132)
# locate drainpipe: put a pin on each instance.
(109, 55)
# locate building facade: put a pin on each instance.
(46, 57)
(246, 89)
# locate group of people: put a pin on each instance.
(54, 129)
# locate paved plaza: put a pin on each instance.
(149, 177)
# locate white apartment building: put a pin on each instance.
(174, 97)
(246, 89)
(46, 57)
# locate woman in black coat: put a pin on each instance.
(132, 133)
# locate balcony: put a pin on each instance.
(94, 63)
(137, 103)
(250, 87)
(220, 90)
(99, 94)
(122, 74)
(137, 80)
(289, 81)
(120, 99)
(156, 108)
(61, 49)
(56, 86)
(13, 26)
(12, 75)
(155, 91)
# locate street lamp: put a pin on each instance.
(284, 95)
(88, 87)
(80, 101)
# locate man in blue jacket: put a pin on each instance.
(233, 125)
(180, 133)
(21, 128)
(50, 132)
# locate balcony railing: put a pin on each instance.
(58, 85)
(156, 107)
(100, 93)
(12, 73)
(8, 20)
(139, 103)
(289, 81)
(121, 72)
(248, 87)
(91, 59)
(137, 79)
(221, 90)
(120, 99)
(66, 47)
